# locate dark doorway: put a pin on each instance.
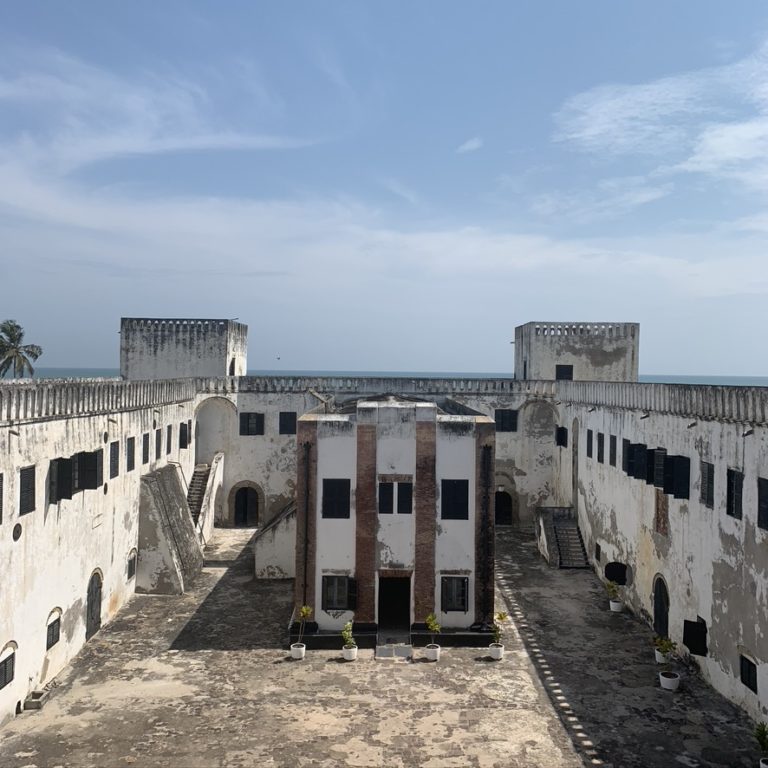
(232, 367)
(660, 608)
(93, 606)
(395, 604)
(503, 508)
(246, 508)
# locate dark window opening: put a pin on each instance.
(404, 498)
(707, 490)
(251, 424)
(454, 594)
(561, 436)
(339, 593)
(598, 552)
(88, 470)
(616, 572)
(132, 565)
(762, 503)
(564, 372)
(183, 435)
(1, 498)
(168, 438)
(7, 666)
(612, 450)
(601, 447)
(60, 480)
(386, 498)
(659, 462)
(145, 448)
(454, 499)
(626, 451)
(53, 633)
(287, 425)
(26, 490)
(336, 498)
(638, 461)
(734, 491)
(695, 637)
(677, 476)
(589, 443)
(114, 459)
(189, 431)
(506, 420)
(748, 673)
(158, 443)
(130, 454)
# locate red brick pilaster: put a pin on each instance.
(425, 509)
(306, 513)
(366, 523)
(485, 497)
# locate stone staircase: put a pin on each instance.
(570, 545)
(197, 489)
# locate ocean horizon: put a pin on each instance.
(646, 378)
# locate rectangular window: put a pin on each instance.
(612, 450)
(114, 459)
(454, 594)
(130, 454)
(145, 448)
(589, 443)
(564, 372)
(53, 633)
(386, 498)
(707, 490)
(762, 503)
(60, 477)
(158, 444)
(168, 438)
(90, 470)
(506, 420)
(638, 460)
(601, 447)
(287, 424)
(404, 498)
(251, 423)
(26, 490)
(183, 435)
(748, 673)
(733, 498)
(454, 499)
(7, 666)
(625, 454)
(695, 637)
(1, 498)
(132, 566)
(659, 462)
(339, 593)
(677, 476)
(336, 498)
(561, 437)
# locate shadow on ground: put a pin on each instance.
(599, 672)
(240, 612)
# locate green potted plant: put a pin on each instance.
(349, 649)
(496, 648)
(761, 734)
(298, 649)
(433, 649)
(614, 597)
(664, 648)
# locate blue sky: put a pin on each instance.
(387, 186)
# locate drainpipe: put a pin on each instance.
(307, 448)
(486, 470)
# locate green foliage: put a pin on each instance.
(346, 634)
(761, 734)
(498, 629)
(612, 588)
(664, 645)
(15, 356)
(304, 613)
(432, 626)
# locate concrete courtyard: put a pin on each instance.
(200, 680)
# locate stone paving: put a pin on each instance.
(200, 680)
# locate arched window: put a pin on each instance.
(53, 628)
(7, 663)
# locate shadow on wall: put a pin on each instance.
(240, 612)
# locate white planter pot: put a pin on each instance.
(432, 651)
(661, 658)
(298, 650)
(764, 762)
(349, 652)
(669, 680)
(496, 650)
(616, 606)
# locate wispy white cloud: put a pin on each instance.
(470, 145)
(400, 190)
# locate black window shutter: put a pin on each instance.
(589, 443)
(53, 476)
(695, 637)
(404, 498)
(659, 457)
(650, 465)
(385, 498)
(145, 448)
(26, 490)
(99, 467)
(625, 455)
(682, 481)
(465, 585)
(351, 594)
(639, 460)
(762, 503)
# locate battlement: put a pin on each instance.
(609, 330)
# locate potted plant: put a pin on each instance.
(496, 648)
(664, 648)
(761, 734)
(433, 649)
(349, 649)
(614, 598)
(298, 649)
(669, 680)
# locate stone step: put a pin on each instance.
(396, 651)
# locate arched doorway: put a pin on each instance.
(93, 606)
(503, 508)
(660, 608)
(232, 367)
(246, 508)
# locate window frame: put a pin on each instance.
(341, 590)
(335, 503)
(454, 594)
(506, 419)
(454, 499)
(734, 494)
(53, 633)
(287, 422)
(251, 423)
(27, 489)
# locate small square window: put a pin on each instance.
(506, 420)
(748, 673)
(287, 422)
(564, 372)
(53, 633)
(336, 498)
(454, 499)
(454, 594)
(251, 423)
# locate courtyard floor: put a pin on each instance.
(200, 680)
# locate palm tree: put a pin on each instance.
(14, 355)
